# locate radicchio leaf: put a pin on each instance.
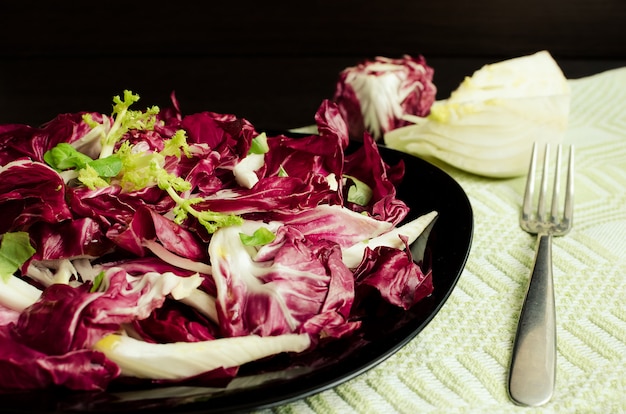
(25, 368)
(68, 318)
(295, 286)
(367, 165)
(393, 273)
(30, 192)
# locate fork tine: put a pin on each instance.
(554, 212)
(541, 203)
(568, 214)
(527, 205)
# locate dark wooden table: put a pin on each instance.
(274, 62)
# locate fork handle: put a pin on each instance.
(533, 362)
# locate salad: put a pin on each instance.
(153, 245)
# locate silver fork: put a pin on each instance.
(532, 371)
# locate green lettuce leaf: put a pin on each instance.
(15, 250)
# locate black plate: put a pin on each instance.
(268, 383)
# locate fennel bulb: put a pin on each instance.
(179, 360)
(488, 124)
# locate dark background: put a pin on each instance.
(273, 62)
